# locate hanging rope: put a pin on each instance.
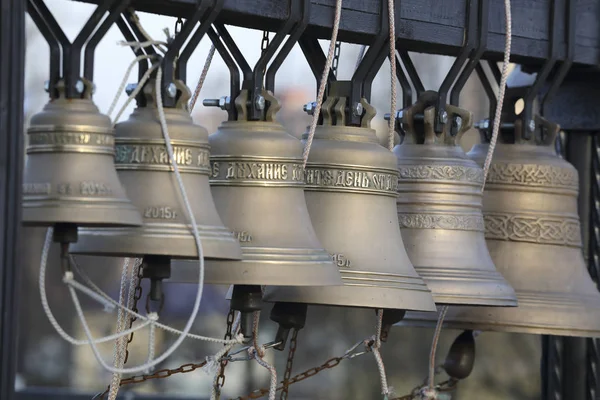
(392, 121)
(202, 78)
(119, 350)
(323, 82)
(385, 390)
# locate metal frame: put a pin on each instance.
(422, 26)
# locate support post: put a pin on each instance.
(12, 54)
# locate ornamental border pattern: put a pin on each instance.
(542, 230)
(442, 172)
(533, 175)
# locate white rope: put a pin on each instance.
(48, 311)
(323, 83)
(135, 92)
(119, 353)
(385, 390)
(68, 279)
(143, 318)
(392, 121)
(502, 89)
(256, 353)
(202, 78)
(434, 344)
(121, 88)
(151, 340)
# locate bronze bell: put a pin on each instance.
(145, 169)
(439, 209)
(258, 185)
(351, 184)
(534, 237)
(69, 175)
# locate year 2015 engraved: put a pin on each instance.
(90, 188)
(161, 212)
(243, 236)
(340, 260)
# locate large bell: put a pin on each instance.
(69, 175)
(533, 234)
(351, 184)
(439, 209)
(257, 181)
(145, 169)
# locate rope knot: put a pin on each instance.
(153, 316)
(428, 393)
(68, 277)
(256, 351)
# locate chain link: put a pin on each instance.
(265, 41)
(178, 26)
(336, 58)
(161, 374)
(136, 297)
(289, 365)
(220, 381)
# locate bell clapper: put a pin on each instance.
(461, 356)
(156, 268)
(65, 234)
(289, 316)
(390, 317)
(246, 299)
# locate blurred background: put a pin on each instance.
(507, 365)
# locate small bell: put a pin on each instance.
(69, 177)
(351, 194)
(534, 237)
(145, 169)
(257, 182)
(439, 209)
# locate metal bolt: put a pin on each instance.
(79, 86)
(357, 110)
(130, 88)
(531, 125)
(172, 90)
(210, 102)
(457, 122)
(309, 108)
(444, 117)
(485, 124)
(47, 86)
(223, 103)
(398, 115)
(259, 102)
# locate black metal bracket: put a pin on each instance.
(174, 64)
(234, 72)
(316, 59)
(254, 79)
(71, 52)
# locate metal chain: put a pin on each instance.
(446, 386)
(178, 26)
(220, 381)
(336, 58)
(289, 365)
(265, 41)
(331, 363)
(161, 374)
(136, 297)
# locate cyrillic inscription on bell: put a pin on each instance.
(145, 168)
(351, 184)
(69, 174)
(258, 185)
(534, 237)
(439, 210)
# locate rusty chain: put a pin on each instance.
(161, 374)
(289, 364)
(220, 381)
(136, 298)
(446, 386)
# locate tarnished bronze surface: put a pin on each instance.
(440, 212)
(145, 169)
(257, 182)
(351, 184)
(533, 234)
(69, 174)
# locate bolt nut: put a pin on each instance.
(172, 90)
(444, 117)
(531, 125)
(47, 86)
(224, 102)
(259, 102)
(79, 86)
(457, 122)
(130, 88)
(357, 110)
(309, 108)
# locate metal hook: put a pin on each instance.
(304, 12)
(534, 90)
(465, 53)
